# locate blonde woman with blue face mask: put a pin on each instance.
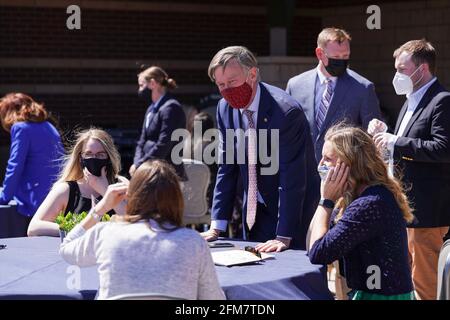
(361, 218)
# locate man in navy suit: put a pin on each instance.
(331, 92)
(277, 206)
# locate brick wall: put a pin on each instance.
(38, 32)
(372, 50)
(127, 34)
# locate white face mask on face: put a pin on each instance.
(403, 83)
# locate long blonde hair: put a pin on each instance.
(357, 150)
(72, 167)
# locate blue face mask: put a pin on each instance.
(323, 171)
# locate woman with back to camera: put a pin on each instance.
(367, 229)
(34, 160)
(92, 165)
(147, 250)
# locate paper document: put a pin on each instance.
(236, 257)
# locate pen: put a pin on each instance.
(2, 246)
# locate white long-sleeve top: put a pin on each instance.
(134, 258)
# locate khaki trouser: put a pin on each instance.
(424, 245)
(340, 284)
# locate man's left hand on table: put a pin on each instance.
(277, 245)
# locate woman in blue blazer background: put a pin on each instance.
(35, 156)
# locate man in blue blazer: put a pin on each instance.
(278, 206)
(331, 93)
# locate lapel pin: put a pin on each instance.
(265, 119)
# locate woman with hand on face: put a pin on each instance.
(91, 167)
(361, 218)
(147, 249)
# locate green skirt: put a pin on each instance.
(362, 295)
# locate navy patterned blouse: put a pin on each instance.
(371, 239)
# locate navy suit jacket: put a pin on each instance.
(292, 194)
(155, 140)
(423, 154)
(34, 164)
(354, 101)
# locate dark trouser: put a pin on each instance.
(265, 225)
(18, 225)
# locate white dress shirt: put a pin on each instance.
(413, 100)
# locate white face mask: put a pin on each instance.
(403, 83)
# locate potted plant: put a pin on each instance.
(70, 220)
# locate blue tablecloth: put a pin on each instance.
(31, 268)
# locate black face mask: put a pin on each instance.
(145, 95)
(94, 165)
(336, 67)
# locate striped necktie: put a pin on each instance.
(324, 103)
(252, 194)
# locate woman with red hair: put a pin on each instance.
(34, 160)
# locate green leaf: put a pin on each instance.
(69, 221)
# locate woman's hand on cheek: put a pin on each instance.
(334, 186)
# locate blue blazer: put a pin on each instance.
(423, 155)
(354, 101)
(155, 140)
(292, 194)
(33, 166)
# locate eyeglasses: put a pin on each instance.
(253, 250)
(99, 155)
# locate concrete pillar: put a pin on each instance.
(281, 13)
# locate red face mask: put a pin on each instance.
(238, 97)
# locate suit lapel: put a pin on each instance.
(339, 93)
(428, 96)
(237, 122)
(400, 116)
(151, 116)
(309, 100)
(264, 109)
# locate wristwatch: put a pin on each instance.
(327, 203)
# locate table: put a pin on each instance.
(31, 268)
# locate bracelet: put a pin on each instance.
(95, 215)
